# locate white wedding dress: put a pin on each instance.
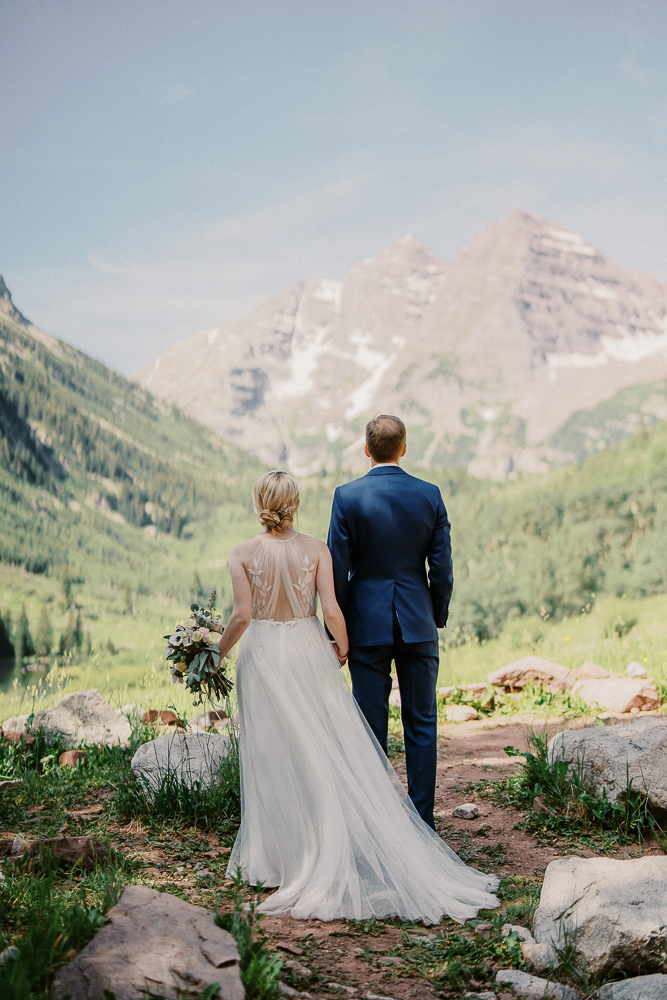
(324, 816)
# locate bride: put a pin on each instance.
(325, 818)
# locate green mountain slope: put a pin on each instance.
(550, 544)
(94, 473)
(641, 406)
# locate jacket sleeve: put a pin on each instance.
(440, 570)
(341, 550)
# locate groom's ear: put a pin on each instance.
(405, 448)
(366, 451)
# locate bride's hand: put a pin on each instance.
(341, 659)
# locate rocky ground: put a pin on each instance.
(374, 958)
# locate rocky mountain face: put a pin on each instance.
(486, 357)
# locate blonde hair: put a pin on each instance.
(276, 499)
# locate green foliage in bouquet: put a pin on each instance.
(194, 656)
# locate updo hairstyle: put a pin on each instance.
(276, 499)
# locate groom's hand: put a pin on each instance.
(341, 659)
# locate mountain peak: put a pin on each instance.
(6, 304)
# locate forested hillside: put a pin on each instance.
(551, 544)
(94, 473)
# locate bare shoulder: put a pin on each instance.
(244, 550)
(315, 546)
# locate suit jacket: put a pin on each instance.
(384, 527)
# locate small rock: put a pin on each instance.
(484, 830)
(9, 786)
(525, 985)
(19, 844)
(83, 852)
(521, 932)
(70, 757)
(165, 717)
(390, 960)
(469, 810)
(291, 949)
(640, 988)
(539, 805)
(17, 736)
(8, 954)
(298, 970)
(156, 938)
(484, 930)
(460, 713)
(486, 995)
(635, 669)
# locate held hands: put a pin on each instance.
(341, 659)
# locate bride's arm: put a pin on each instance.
(240, 616)
(333, 616)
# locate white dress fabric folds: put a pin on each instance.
(324, 816)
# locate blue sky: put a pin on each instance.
(165, 166)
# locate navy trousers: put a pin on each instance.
(417, 671)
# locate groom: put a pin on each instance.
(384, 528)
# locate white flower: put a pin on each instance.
(187, 641)
(190, 623)
(176, 639)
(197, 636)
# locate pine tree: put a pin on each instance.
(196, 586)
(126, 599)
(67, 642)
(66, 585)
(77, 632)
(6, 644)
(23, 644)
(44, 637)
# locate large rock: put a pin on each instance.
(82, 717)
(523, 984)
(610, 915)
(607, 756)
(640, 988)
(618, 694)
(532, 669)
(153, 943)
(190, 758)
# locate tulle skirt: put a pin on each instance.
(324, 815)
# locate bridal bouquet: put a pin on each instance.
(193, 652)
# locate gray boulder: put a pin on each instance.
(82, 717)
(607, 755)
(523, 984)
(157, 944)
(190, 757)
(619, 694)
(641, 988)
(611, 915)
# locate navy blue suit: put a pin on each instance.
(384, 528)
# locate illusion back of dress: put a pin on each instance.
(282, 580)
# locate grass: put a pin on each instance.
(569, 808)
(48, 915)
(47, 919)
(260, 968)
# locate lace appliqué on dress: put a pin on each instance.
(282, 568)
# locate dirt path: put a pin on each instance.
(365, 960)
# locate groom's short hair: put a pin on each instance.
(385, 437)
